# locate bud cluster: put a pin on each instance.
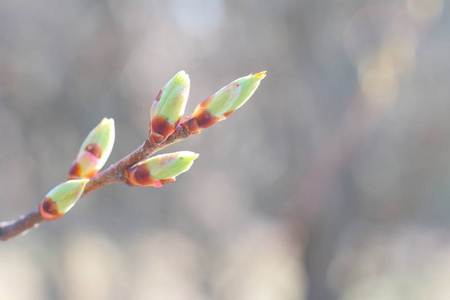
(166, 114)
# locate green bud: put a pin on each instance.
(94, 151)
(172, 99)
(223, 103)
(170, 165)
(61, 199)
(159, 170)
(234, 95)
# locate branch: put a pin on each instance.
(21, 225)
(113, 174)
(137, 169)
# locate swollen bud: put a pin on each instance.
(224, 102)
(61, 199)
(168, 107)
(94, 151)
(160, 169)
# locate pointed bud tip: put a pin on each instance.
(181, 78)
(260, 75)
(187, 155)
(107, 122)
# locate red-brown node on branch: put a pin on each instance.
(160, 129)
(138, 176)
(49, 210)
(199, 120)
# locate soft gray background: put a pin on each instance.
(332, 182)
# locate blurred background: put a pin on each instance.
(332, 182)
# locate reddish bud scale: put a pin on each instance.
(160, 183)
(76, 171)
(201, 119)
(49, 210)
(158, 97)
(160, 129)
(95, 149)
(225, 115)
(205, 102)
(140, 176)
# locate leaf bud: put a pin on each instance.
(223, 103)
(168, 107)
(61, 198)
(94, 151)
(159, 170)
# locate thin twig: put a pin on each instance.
(112, 174)
(21, 225)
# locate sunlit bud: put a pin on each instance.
(168, 107)
(94, 151)
(224, 102)
(61, 198)
(160, 169)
